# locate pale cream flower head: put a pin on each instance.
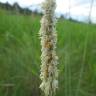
(49, 71)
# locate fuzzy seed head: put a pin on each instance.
(49, 59)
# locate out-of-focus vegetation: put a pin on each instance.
(20, 56)
(15, 8)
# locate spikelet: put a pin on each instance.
(49, 59)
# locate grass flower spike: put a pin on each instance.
(49, 59)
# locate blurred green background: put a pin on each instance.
(20, 56)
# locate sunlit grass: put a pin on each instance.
(20, 56)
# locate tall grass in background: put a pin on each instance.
(20, 56)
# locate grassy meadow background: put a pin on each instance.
(20, 56)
